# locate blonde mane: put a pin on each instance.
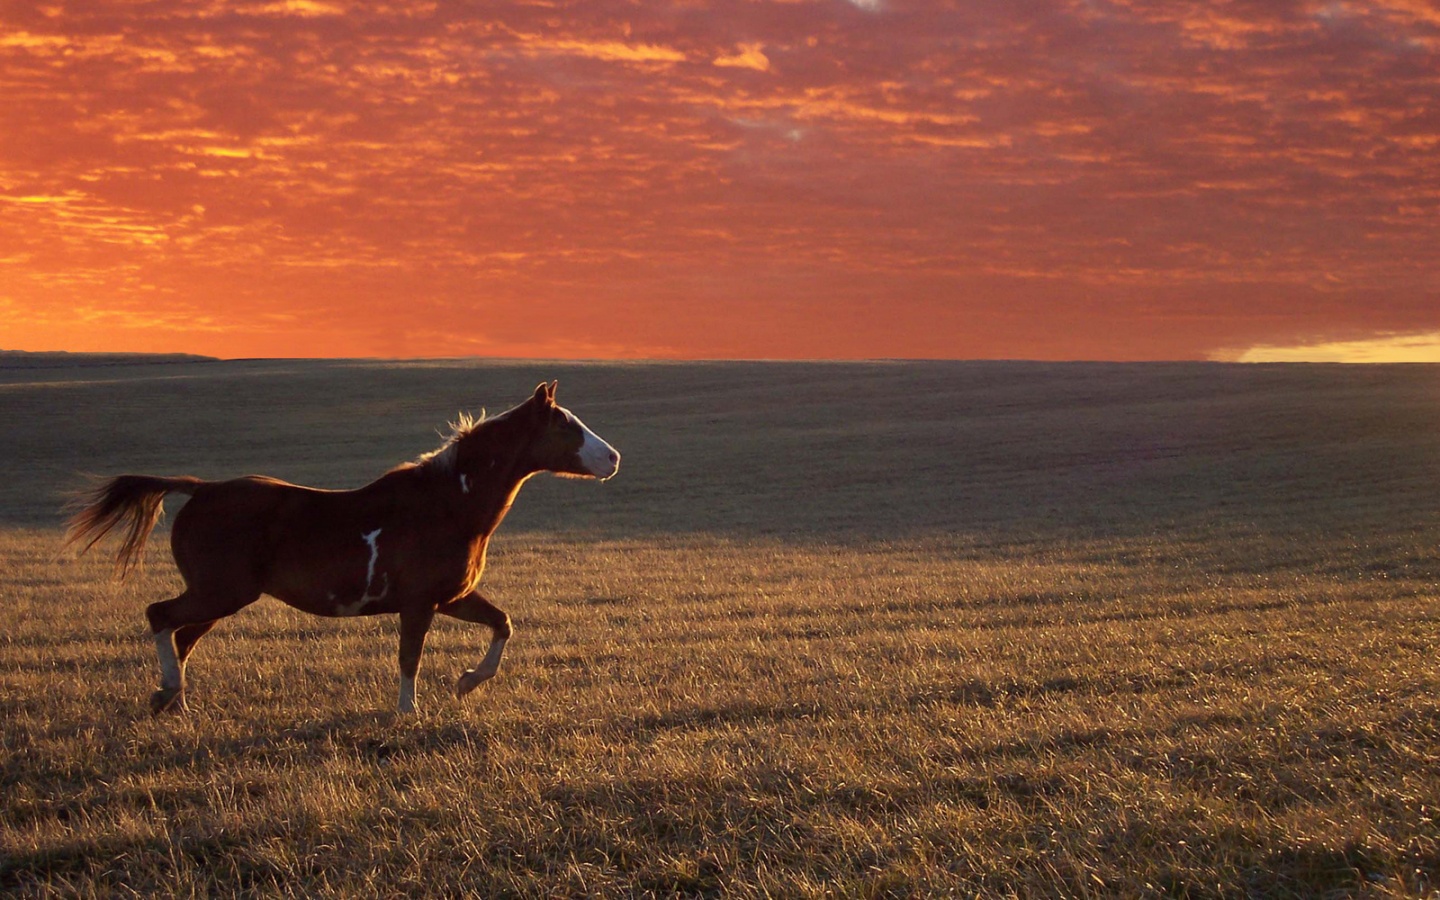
(443, 457)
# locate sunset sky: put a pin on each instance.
(1079, 179)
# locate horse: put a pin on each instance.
(411, 543)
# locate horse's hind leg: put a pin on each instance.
(171, 694)
(186, 637)
(177, 624)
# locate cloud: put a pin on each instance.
(302, 8)
(610, 51)
(746, 56)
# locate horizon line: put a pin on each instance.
(182, 357)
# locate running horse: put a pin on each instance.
(411, 542)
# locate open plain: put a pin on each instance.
(880, 629)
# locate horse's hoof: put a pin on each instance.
(167, 700)
(470, 679)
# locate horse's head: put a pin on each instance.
(561, 443)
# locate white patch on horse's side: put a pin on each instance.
(373, 539)
(351, 609)
(406, 703)
(367, 596)
(598, 457)
(170, 677)
(464, 483)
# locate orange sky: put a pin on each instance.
(1080, 179)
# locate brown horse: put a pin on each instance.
(411, 542)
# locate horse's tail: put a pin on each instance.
(133, 500)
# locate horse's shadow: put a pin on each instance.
(378, 738)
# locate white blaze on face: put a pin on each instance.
(598, 457)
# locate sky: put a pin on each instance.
(1078, 179)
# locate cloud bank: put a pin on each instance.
(1087, 179)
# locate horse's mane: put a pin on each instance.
(443, 457)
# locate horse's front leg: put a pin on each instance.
(474, 608)
(414, 624)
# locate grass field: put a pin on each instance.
(992, 629)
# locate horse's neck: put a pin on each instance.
(486, 502)
(481, 473)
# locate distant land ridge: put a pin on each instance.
(27, 359)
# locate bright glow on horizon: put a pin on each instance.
(1394, 348)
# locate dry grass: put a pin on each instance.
(981, 630)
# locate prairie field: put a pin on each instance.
(857, 630)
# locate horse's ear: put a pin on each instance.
(545, 394)
(553, 385)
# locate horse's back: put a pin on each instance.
(238, 499)
(228, 529)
